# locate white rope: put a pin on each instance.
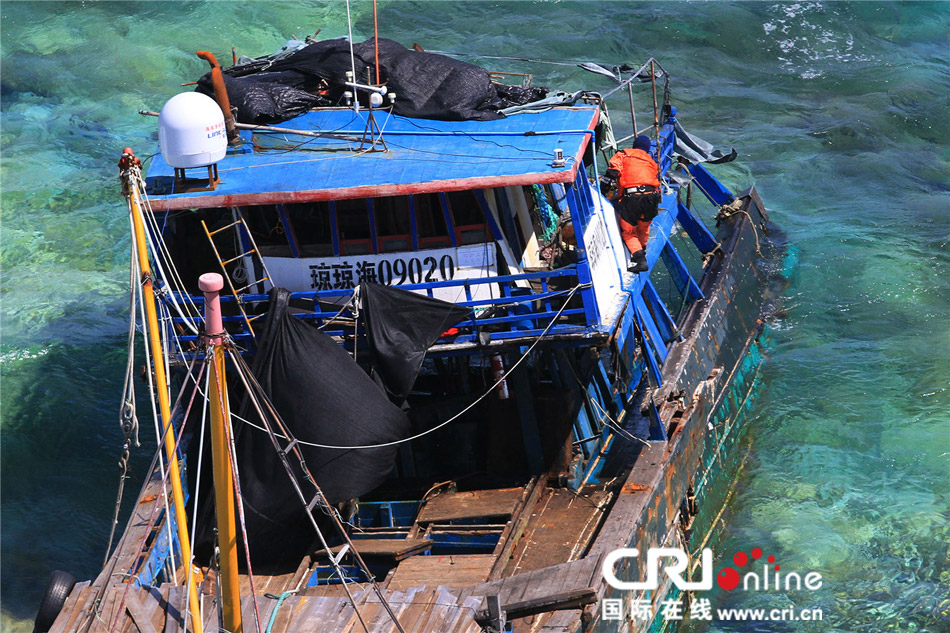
(194, 516)
(457, 415)
(128, 384)
(151, 380)
(173, 281)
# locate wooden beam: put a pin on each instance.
(555, 602)
(138, 613)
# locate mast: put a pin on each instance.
(211, 284)
(130, 166)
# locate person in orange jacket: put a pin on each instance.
(635, 172)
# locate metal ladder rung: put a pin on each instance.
(223, 263)
(226, 262)
(313, 503)
(224, 227)
(261, 280)
(286, 450)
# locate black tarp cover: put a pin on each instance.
(400, 327)
(322, 396)
(427, 85)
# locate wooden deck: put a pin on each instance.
(532, 570)
(470, 505)
(158, 610)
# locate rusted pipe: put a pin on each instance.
(221, 95)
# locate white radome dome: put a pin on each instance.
(191, 131)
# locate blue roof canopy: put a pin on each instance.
(423, 156)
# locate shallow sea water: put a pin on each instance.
(839, 112)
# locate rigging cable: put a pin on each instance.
(166, 472)
(238, 497)
(194, 514)
(150, 374)
(128, 421)
(376, 40)
(173, 282)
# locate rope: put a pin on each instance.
(280, 601)
(166, 472)
(194, 514)
(128, 421)
(173, 281)
(611, 423)
(151, 385)
(728, 210)
(376, 40)
(546, 215)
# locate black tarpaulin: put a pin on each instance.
(696, 150)
(426, 85)
(265, 98)
(400, 327)
(324, 397)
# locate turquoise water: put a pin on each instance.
(839, 112)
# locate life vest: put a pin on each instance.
(635, 167)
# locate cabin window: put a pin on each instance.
(468, 218)
(269, 233)
(353, 222)
(310, 229)
(393, 224)
(430, 221)
(363, 226)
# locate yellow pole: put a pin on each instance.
(161, 384)
(211, 284)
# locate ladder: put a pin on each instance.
(242, 241)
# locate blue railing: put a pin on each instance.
(519, 312)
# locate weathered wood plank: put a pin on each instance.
(174, 612)
(77, 605)
(450, 571)
(514, 531)
(560, 529)
(141, 616)
(398, 549)
(552, 602)
(470, 505)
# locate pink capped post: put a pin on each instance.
(211, 284)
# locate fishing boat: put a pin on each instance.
(401, 375)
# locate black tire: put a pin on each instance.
(57, 590)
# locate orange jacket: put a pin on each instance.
(635, 167)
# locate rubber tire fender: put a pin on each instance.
(57, 590)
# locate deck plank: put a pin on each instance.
(397, 549)
(174, 612)
(451, 571)
(560, 529)
(140, 610)
(79, 602)
(470, 505)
